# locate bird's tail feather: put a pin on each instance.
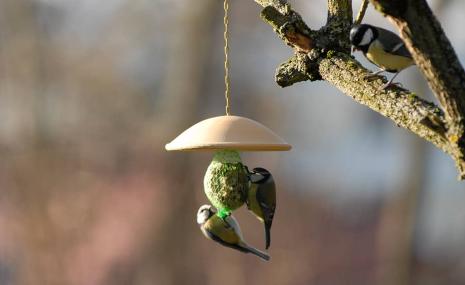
(257, 252)
(267, 236)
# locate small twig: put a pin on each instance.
(361, 12)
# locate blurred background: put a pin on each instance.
(90, 92)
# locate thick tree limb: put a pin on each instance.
(436, 59)
(324, 54)
(406, 109)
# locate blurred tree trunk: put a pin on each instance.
(398, 221)
(399, 215)
(22, 85)
(43, 247)
(185, 84)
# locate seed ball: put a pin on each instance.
(226, 181)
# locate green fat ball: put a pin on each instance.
(226, 181)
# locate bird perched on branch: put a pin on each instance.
(225, 231)
(383, 48)
(261, 198)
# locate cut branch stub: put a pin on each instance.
(296, 69)
(290, 27)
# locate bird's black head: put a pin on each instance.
(259, 175)
(361, 36)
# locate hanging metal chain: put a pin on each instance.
(226, 59)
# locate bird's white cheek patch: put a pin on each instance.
(367, 38)
(201, 218)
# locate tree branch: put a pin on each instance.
(297, 68)
(436, 59)
(401, 106)
(361, 12)
(324, 54)
(338, 25)
(339, 12)
(289, 26)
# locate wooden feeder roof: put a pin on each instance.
(228, 132)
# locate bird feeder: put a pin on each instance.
(226, 180)
(228, 132)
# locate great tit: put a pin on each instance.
(382, 47)
(225, 231)
(261, 198)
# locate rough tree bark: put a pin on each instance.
(324, 54)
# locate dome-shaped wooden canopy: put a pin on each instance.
(228, 132)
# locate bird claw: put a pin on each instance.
(374, 75)
(371, 77)
(390, 84)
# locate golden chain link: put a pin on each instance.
(226, 59)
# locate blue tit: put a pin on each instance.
(382, 47)
(225, 231)
(261, 198)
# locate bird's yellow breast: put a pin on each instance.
(222, 230)
(385, 60)
(252, 202)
